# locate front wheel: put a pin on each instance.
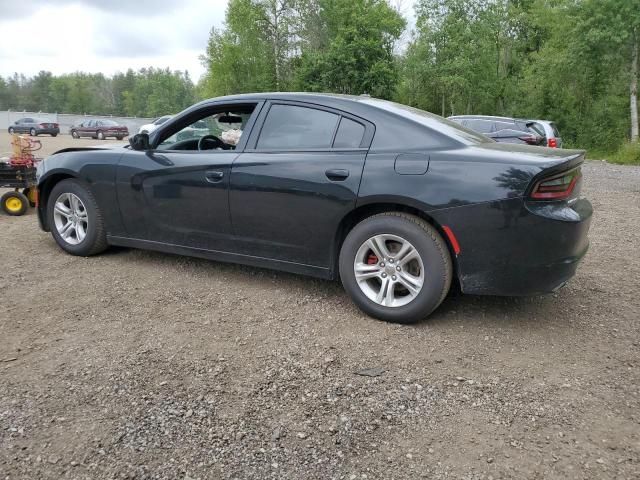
(11, 130)
(396, 267)
(33, 132)
(75, 134)
(75, 220)
(100, 135)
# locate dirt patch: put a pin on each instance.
(146, 365)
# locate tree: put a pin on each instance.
(353, 53)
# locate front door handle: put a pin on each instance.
(214, 176)
(337, 174)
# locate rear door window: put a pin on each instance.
(480, 126)
(504, 126)
(290, 127)
(555, 129)
(349, 134)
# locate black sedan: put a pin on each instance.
(396, 202)
(34, 127)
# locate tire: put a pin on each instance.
(94, 239)
(54, 134)
(14, 203)
(100, 135)
(119, 138)
(33, 132)
(432, 267)
(31, 196)
(75, 134)
(11, 130)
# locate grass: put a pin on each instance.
(627, 154)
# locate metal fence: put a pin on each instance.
(66, 121)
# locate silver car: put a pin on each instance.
(548, 130)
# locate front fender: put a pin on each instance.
(96, 169)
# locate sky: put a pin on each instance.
(63, 36)
(109, 36)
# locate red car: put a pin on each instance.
(99, 129)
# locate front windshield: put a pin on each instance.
(227, 126)
(435, 122)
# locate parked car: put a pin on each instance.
(547, 129)
(395, 202)
(34, 127)
(150, 127)
(501, 129)
(100, 129)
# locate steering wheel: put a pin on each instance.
(213, 139)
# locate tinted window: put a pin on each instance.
(480, 126)
(555, 129)
(505, 125)
(349, 134)
(537, 128)
(291, 127)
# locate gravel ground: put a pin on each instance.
(136, 364)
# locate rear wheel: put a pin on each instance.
(396, 267)
(14, 203)
(75, 134)
(75, 219)
(119, 138)
(33, 132)
(11, 130)
(54, 134)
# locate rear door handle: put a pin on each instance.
(214, 176)
(337, 174)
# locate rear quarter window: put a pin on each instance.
(349, 134)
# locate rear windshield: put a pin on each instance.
(435, 122)
(537, 128)
(109, 123)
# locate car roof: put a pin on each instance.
(392, 115)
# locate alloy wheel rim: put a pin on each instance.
(71, 218)
(389, 270)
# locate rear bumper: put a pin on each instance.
(515, 247)
(48, 131)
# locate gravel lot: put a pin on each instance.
(135, 364)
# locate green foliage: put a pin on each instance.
(627, 154)
(355, 51)
(147, 93)
(324, 45)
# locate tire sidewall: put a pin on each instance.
(437, 271)
(11, 130)
(79, 189)
(33, 132)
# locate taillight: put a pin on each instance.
(557, 187)
(529, 139)
(552, 143)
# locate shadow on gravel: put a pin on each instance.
(474, 310)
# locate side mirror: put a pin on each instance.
(140, 141)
